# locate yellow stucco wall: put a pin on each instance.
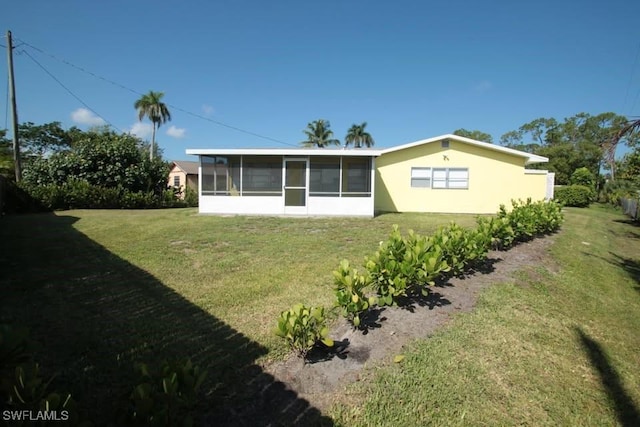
(494, 178)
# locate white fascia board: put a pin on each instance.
(359, 152)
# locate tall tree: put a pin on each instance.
(578, 141)
(474, 134)
(151, 106)
(319, 134)
(358, 136)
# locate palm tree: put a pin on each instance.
(319, 134)
(151, 106)
(357, 136)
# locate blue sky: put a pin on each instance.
(411, 69)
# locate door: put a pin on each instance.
(295, 186)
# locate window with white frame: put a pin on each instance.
(176, 180)
(453, 178)
(421, 177)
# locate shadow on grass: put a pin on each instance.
(626, 410)
(95, 314)
(634, 222)
(630, 266)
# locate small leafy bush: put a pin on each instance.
(350, 287)
(462, 248)
(578, 196)
(303, 327)
(427, 260)
(22, 386)
(583, 176)
(387, 270)
(166, 395)
(191, 197)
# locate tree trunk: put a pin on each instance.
(153, 140)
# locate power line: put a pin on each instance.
(175, 107)
(69, 91)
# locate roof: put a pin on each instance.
(531, 158)
(368, 152)
(190, 168)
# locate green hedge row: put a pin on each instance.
(406, 267)
(79, 194)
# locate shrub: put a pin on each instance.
(574, 195)
(583, 176)
(303, 327)
(387, 270)
(462, 248)
(166, 395)
(350, 292)
(191, 197)
(22, 386)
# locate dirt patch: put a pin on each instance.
(391, 327)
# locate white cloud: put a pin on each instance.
(83, 116)
(207, 110)
(141, 130)
(483, 87)
(176, 132)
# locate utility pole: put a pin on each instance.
(14, 113)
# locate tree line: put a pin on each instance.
(579, 141)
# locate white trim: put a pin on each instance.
(535, 172)
(360, 152)
(531, 158)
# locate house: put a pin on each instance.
(184, 174)
(448, 174)
(454, 174)
(298, 181)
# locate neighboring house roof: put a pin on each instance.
(531, 158)
(189, 168)
(284, 152)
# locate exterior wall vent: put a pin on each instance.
(444, 143)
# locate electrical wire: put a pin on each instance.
(175, 107)
(69, 91)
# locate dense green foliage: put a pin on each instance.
(583, 176)
(578, 196)
(303, 327)
(94, 169)
(575, 143)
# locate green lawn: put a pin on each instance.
(102, 288)
(553, 348)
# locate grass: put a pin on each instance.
(551, 348)
(101, 289)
